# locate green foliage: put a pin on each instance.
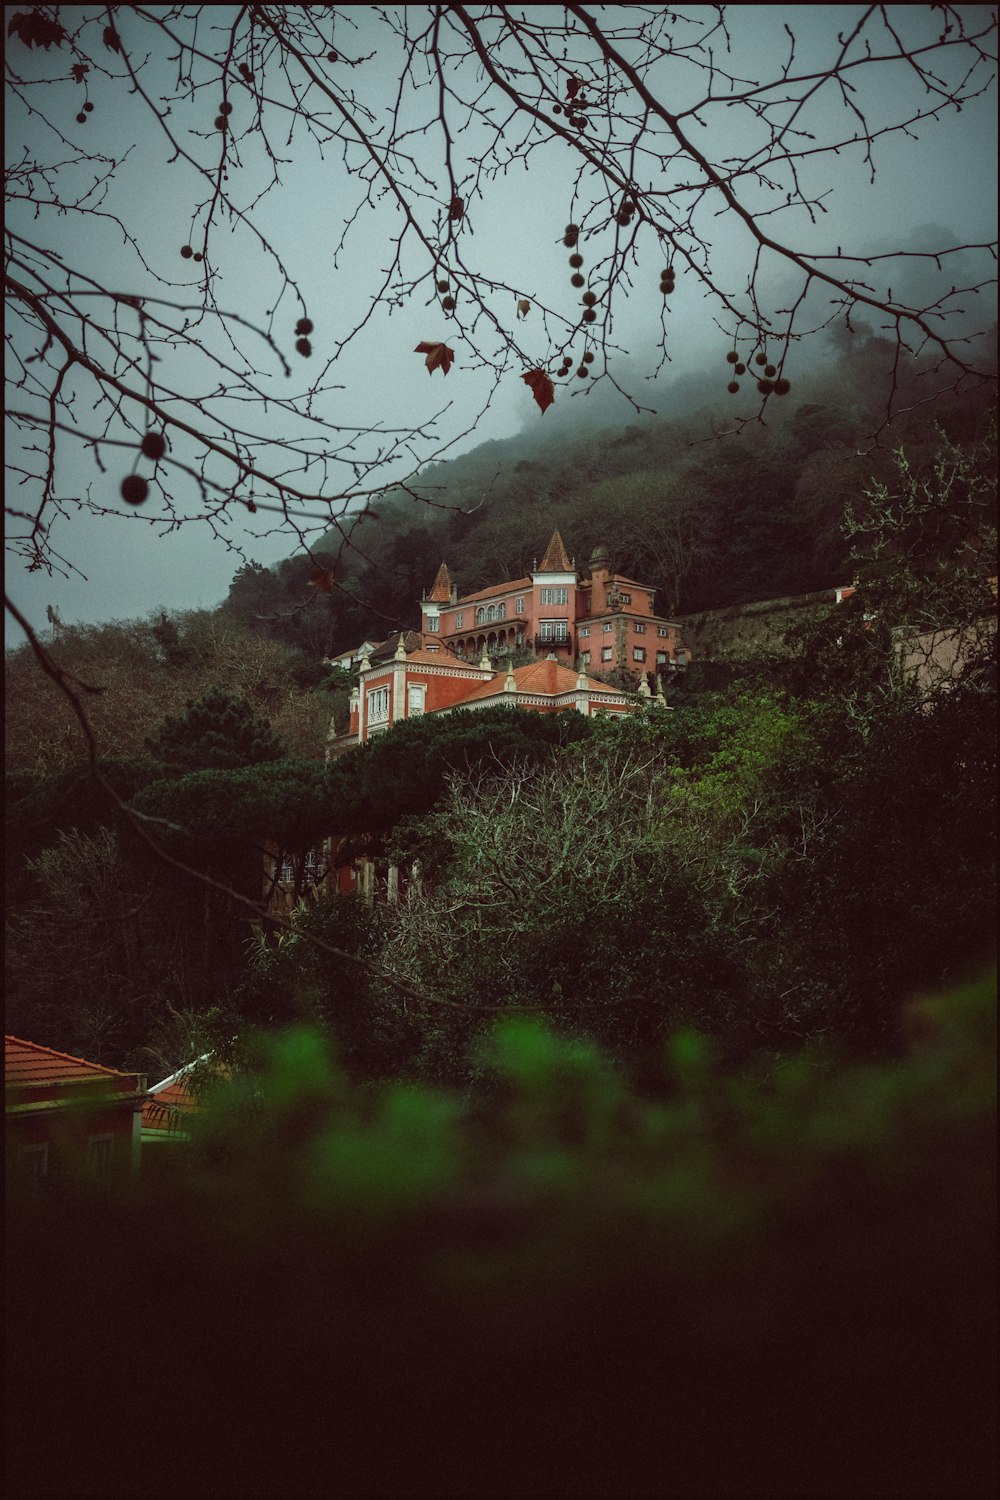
(633, 1285)
(218, 732)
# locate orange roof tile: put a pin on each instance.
(546, 679)
(513, 585)
(555, 559)
(29, 1063)
(439, 659)
(441, 591)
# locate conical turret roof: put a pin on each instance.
(441, 592)
(555, 559)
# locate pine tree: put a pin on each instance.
(218, 732)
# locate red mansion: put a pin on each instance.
(602, 623)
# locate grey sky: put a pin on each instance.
(944, 173)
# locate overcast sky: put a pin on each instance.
(130, 563)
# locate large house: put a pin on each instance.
(574, 626)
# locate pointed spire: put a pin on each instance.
(441, 591)
(644, 687)
(556, 559)
(485, 665)
(366, 661)
(510, 686)
(660, 696)
(400, 649)
(581, 679)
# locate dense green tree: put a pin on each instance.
(217, 732)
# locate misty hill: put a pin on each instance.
(709, 505)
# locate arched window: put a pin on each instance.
(480, 616)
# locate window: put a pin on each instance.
(33, 1167)
(459, 620)
(378, 706)
(661, 658)
(313, 868)
(553, 630)
(584, 629)
(638, 653)
(585, 658)
(555, 596)
(519, 607)
(607, 653)
(433, 624)
(100, 1149)
(415, 700)
(662, 630)
(480, 616)
(625, 598)
(639, 629)
(607, 629)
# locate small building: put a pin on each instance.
(66, 1116)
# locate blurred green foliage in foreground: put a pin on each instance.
(774, 1281)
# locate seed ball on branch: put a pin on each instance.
(589, 315)
(569, 240)
(197, 256)
(154, 445)
(557, 109)
(770, 371)
(304, 325)
(572, 229)
(588, 299)
(576, 261)
(448, 303)
(88, 108)
(760, 359)
(186, 252)
(588, 358)
(782, 387)
(583, 372)
(332, 57)
(733, 357)
(134, 489)
(733, 387)
(443, 286)
(765, 387)
(577, 280)
(81, 119)
(221, 123)
(739, 369)
(303, 347)
(225, 108)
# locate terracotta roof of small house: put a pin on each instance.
(543, 679)
(441, 590)
(411, 640)
(556, 559)
(427, 658)
(29, 1063)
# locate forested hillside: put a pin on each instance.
(709, 515)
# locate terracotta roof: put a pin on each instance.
(512, 586)
(411, 639)
(29, 1063)
(438, 659)
(555, 559)
(441, 591)
(171, 1100)
(541, 678)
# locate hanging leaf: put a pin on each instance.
(36, 30)
(541, 388)
(112, 39)
(322, 579)
(79, 71)
(523, 308)
(439, 357)
(456, 208)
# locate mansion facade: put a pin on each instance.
(575, 627)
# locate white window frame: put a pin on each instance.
(459, 621)
(607, 629)
(555, 595)
(519, 607)
(639, 629)
(625, 598)
(584, 630)
(378, 705)
(416, 697)
(639, 653)
(433, 624)
(662, 630)
(553, 630)
(607, 653)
